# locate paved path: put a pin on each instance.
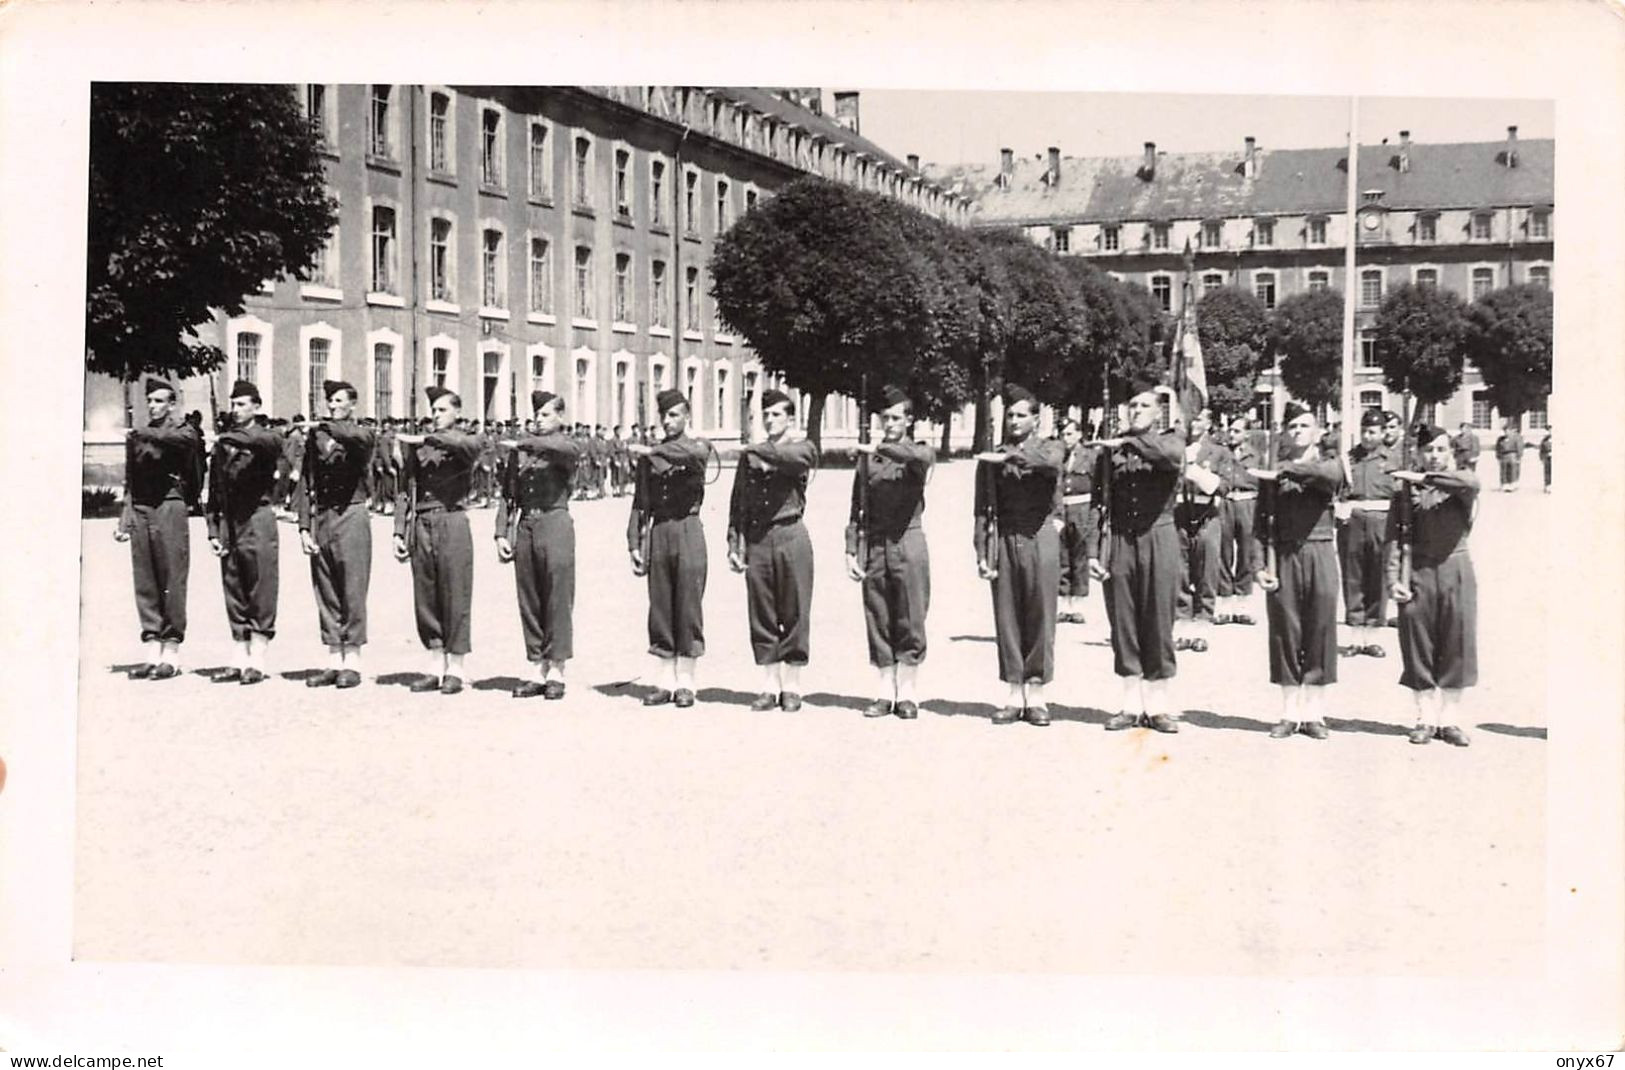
(276, 824)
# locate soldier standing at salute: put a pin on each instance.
(335, 531)
(1135, 553)
(242, 530)
(667, 544)
(768, 543)
(1077, 486)
(1371, 467)
(431, 530)
(1236, 526)
(1018, 496)
(1296, 513)
(1546, 461)
(1431, 576)
(534, 531)
(886, 553)
(163, 475)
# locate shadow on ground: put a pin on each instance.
(970, 639)
(947, 708)
(1226, 721)
(1375, 728)
(1522, 731)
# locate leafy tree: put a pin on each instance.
(1234, 328)
(1421, 335)
(1047, 322)
(198, 193)
(822, 283)
(1306, 334)
(1509, 339)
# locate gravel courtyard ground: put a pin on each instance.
(277, 824)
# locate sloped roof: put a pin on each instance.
(1288, 182)
(785, 110)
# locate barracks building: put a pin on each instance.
(497, 239)
(1468, 217)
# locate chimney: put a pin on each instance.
(1007, 167)
(1054, 166)
(1404, 150)
(846, 110)
(1249, 163)
(1512, 146)
(913, 161)
(1149, 168)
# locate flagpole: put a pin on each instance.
(1350, 282)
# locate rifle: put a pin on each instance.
(1267, 499)
(863, 477)
(1403, 521)
(646, 522)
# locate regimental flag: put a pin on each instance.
(1191, 376)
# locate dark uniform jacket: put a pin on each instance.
(161, 463)
(770, 488)
(1244, 455)
(1441, 512)
(340, 461)
(242, 476)
(1466, 448)
(675, 486)
(891, 485)
(536, 478)
(1140, 479)
(1216, 458)
(441, 471)
(1300, 510)
(1026, 488)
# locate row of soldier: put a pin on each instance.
(1147, 513)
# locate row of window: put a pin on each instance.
(493, 171)
(384, 274)
(1263, 232)
(318, 366)
(1481, 280)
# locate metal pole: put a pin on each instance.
(1350, 282)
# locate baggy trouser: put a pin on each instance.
(443, 580)
(896, 598)
(678, 564)
(160, 559)
(249, 575)
(544, 559)
(778, 594)
(1438, 627)
(1303, 615)
(1142, 588)
(1024, 593)
(340, 572)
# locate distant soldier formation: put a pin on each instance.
(1175, 524)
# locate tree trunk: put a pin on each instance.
(947, 440)
(815, 420)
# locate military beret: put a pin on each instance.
(1292, 411)
(1141, 383)
(242, 388)
(670, 399)
(437, 392)
(1014, 393)
(1391, 418)
(540, 399)
(1373, 418)
(891, 395)
(774, 396)
(335, 386)
(155, 385)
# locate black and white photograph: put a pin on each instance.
(958, 538)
